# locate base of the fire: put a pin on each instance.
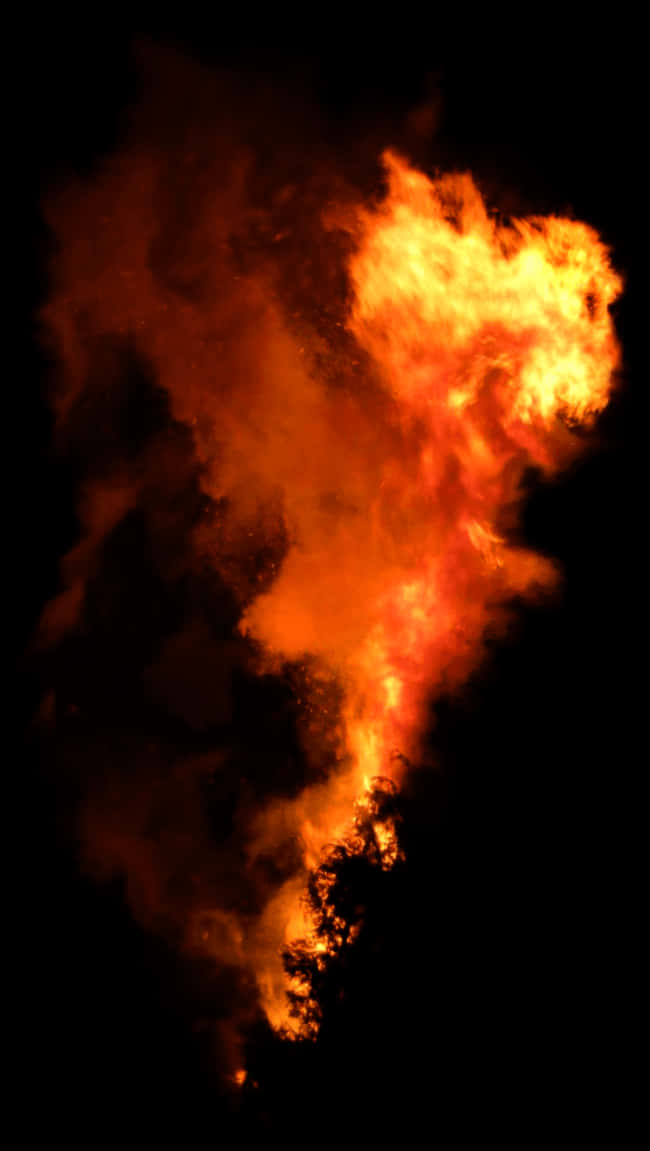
(333, 907)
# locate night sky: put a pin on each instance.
(492, 990)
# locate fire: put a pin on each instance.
(380, 483)
(490, 339)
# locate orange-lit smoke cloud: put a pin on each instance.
(361, 387)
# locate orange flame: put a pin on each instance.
(489, 339)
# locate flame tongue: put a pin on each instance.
(488, 340)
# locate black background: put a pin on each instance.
(495, 989)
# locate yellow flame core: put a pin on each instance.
(436, 274)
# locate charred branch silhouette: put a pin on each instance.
(336, 900)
